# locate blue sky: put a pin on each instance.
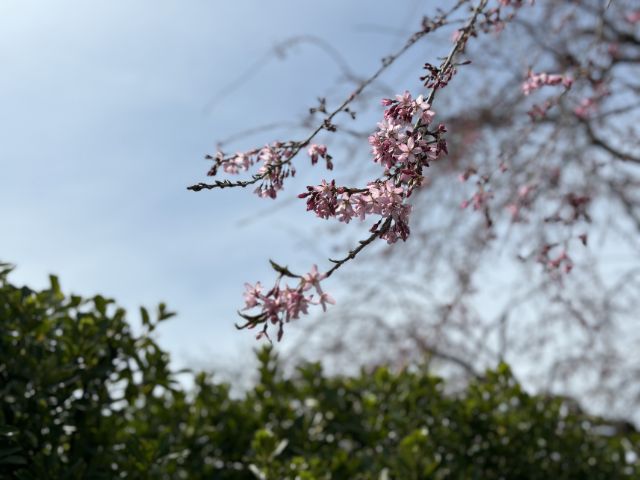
(104, 122)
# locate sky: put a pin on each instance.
(108, 108)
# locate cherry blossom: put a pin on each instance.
(319, 151)
(560, 263)
(281, 304)
(535, 81)
(633, 17)
(478, 200)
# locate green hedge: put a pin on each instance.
(82, 397)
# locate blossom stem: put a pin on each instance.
(362, 244)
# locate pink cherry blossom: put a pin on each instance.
(312, 279)
(586, 107)
(538, 80)
(324, 299)
(633, 17)
(319, 151)
(252, 295)
(281, 304)
(478, 200)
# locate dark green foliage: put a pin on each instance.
(82, 397)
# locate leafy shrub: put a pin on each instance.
(82, 396)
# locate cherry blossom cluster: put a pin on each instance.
(494, 19)
(535, 81)
(281, 304)
(403, 145)
(479, 198)
(274, 162)
(560, 262)
(437, 77)
(403, 141)
(242, 161)
(554, 257)
(379, 198)
(319, 151)
(539, 111)
(590, 104)
(586, 107)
